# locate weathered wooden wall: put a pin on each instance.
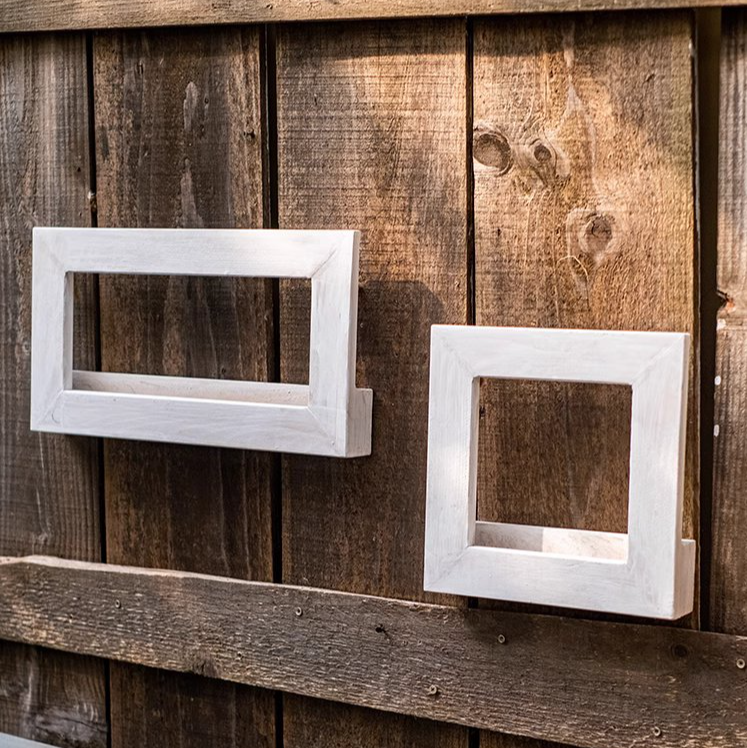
(529, 170)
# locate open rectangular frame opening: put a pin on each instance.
(553, 454)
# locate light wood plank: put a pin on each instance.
(49, 490)
(729, 559)
(584, 216)
(371, 128)
(179, 144)
(592, 684)
(41, 15)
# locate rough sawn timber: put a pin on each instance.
(372, 134)
(48, 15)
(179, 144)
(49, 485)
(729, 559)
(592, 684)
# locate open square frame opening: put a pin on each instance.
(647, 572)
(329, 416)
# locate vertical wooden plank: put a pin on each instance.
(48, 484)
(178, 143)
(729, 560)
(371, 128)
(584, 218)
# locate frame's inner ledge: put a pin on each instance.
(192, 387)
(560, 540)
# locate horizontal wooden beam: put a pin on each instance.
(55, 15)
(595, 684)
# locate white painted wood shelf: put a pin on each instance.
(649, 571)
(329, 416)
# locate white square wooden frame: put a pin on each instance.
(647, 572)
(329, 416)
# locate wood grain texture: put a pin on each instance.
(593, 684)
(47, 15)
(584, 218)
(729, 558)
(48, 484)
(179, 144)
(371, 126)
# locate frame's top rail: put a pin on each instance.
(56, 15)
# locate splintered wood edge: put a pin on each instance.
(58, 15)
(544, 677)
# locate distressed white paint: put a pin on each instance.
(648, 572)
(329, 416)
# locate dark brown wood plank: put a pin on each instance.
(589, 683)
(729, 559)
(371, 125)
(179, 144)
(47, 15)
(584, 217)
(48, 484)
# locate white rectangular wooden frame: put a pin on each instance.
(647, 572)
(329, 416)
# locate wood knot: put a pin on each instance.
(541, 158)
(493, 149)
(542, 153)
(592, 239)
(598, 233)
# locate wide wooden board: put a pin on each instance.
(371, 136)
(49, 493)
(584, 218)
(178, 143)
(588, 683)
(729, 559)
(46, 15)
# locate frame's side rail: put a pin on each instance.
(55, 15)
(544, 680)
